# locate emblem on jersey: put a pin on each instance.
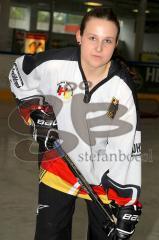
(113, 108)
(64, 90)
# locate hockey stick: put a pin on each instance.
(104, 208)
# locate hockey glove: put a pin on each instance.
(42, 123)
(127, 218)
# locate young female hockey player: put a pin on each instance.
(93, 98)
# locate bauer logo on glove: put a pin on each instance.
(43, 122)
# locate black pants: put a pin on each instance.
(55, 212)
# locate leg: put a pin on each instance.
(95, 223)
(54, 215)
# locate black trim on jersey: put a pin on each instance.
(124, 191)
(126, 77)
(114, 69)
(87, 96)
(30, 62)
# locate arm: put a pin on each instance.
(122, 181)
(25, 78)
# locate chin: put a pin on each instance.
(97, 64)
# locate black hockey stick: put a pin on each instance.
(104, 208)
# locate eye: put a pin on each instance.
(92, 38)
(108, 41)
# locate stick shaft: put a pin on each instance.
(105, 209)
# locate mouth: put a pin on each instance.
(96, 56)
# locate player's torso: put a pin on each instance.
(84, 127)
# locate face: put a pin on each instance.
(97, 42)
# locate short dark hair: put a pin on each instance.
(103, 13)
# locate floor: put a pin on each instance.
(19, 181)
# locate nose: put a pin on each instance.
(99, 46)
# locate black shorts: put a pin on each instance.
(55, 212)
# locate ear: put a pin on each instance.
(78, 36)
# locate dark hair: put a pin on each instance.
(103, 13)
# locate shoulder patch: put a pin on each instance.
(15, 76)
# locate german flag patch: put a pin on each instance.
(113, 108)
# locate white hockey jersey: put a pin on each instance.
(99, 127)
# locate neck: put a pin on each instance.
(95, 75)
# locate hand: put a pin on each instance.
(43, 123)
(127, 218)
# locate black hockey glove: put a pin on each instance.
(44, 125)
(127, 218)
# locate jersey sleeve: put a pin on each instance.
(122, 181)
(25, 77)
